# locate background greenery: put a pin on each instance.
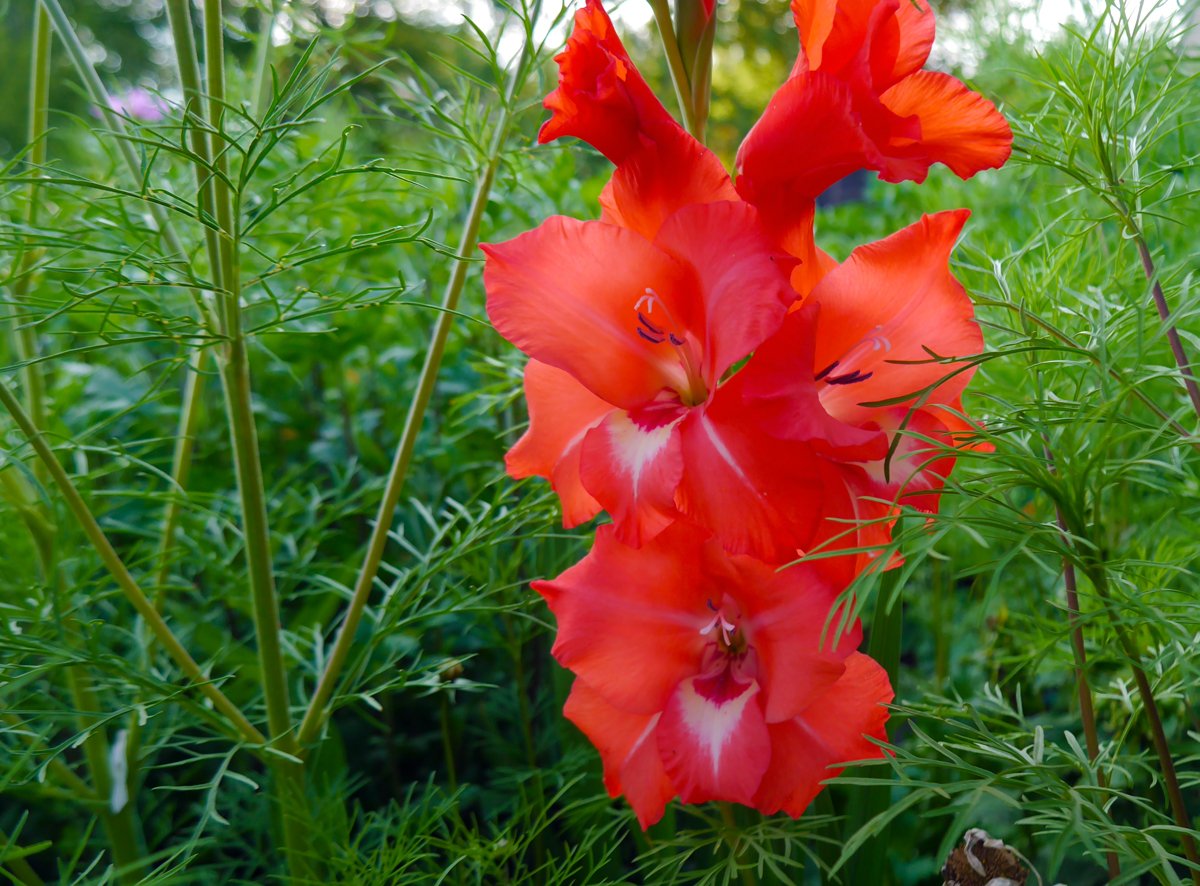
(447, 759)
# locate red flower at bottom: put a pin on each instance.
(712, 677)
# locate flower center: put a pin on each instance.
(727, 638)
(729, 665)
(657, 325)
(873, 341)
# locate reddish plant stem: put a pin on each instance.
(1087, 712)
(1161, 746)
(1164, 313)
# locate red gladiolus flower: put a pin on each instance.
(628, 412)
(858, 99)
(601, 98)
(704, 676)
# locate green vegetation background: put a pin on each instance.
(449, 761)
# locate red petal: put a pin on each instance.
(714, 748)
(601, 98)
(628, 749)
(743, 279)
(904, 45)
(566, 294)
(809, 137)
(959, 127)
(779, 390)
(659, 178)
(561, 412)
(789, 624)
(629, 620)
(830, 732)
(759, 495)
(633, 471)
(892, 301)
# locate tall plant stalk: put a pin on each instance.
(317, 711)
(24, 335)
(117, 819)
(1087, 711)
(235, 377)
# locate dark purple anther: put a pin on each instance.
(824, 372)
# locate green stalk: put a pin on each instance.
(235, 376)
(181, 468)
(120, 826)
(19, 867)
(262, 59)
(32, 380)
(314, 716)
(870, 863)
(120, 573)
(679, 76)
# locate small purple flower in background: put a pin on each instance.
(138, 103)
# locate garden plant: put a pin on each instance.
(645, 442)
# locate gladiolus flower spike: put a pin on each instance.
(733, 397)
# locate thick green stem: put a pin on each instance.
(25, 337)
(679, 75)
(314, 716)
(120, 573)
(871, 863)
(1158, 734)
(235, 377)
(262, 58)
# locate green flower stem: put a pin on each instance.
(18, 866)
(184, 41)
(316, 713)
(870, 864)
(262, 58)
(181, 468)
(235, 377)
(1161, 746)
(32, 380)
(120, 573)
(733, 836)
(679, 76)
(120, 826)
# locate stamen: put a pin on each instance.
(824, 372)
(872, 342)
(695, 391)
(850, 378)
(650, 326)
